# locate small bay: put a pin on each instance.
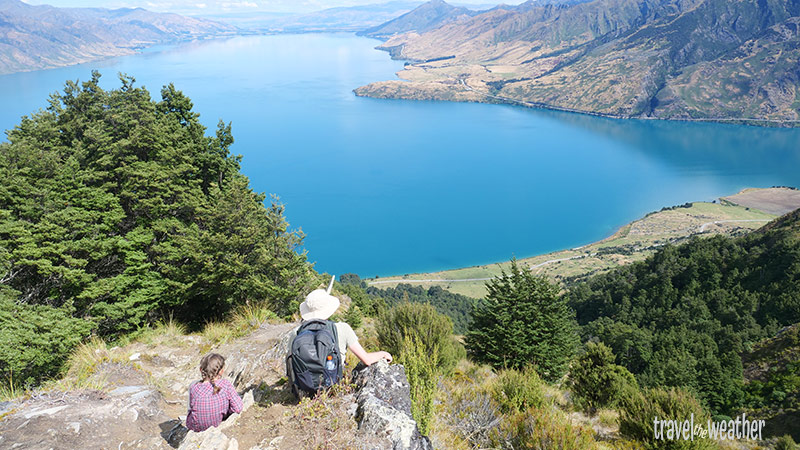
(385, 187)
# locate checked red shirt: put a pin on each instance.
(207, 409)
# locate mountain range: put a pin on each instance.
(41, 37)
(350, 18)
(426, 17)
(679, 59)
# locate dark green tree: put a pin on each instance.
(685, 316)
(523, 322)
(117, 210)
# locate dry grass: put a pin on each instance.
(250, 316)
(86, 357)
(608, 418)
(217, 333)
(9, 390)
(164, 331)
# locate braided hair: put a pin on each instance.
(210, 366)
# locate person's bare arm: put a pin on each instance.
(368, 358)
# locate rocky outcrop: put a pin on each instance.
(126, 416)
(384, 406)
(139, 399)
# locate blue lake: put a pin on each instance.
(384, 187)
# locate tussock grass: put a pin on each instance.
(477, 407)
(163, 331)
(217, 333)
(250, 316)
(608, 418)
(86, 357)
(9, 389)
(82, 367)
(325, 404)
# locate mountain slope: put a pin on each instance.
(348, 18)
(772, 371)
(424, 18)
(40, 37)
(685, 315)
(706, 59)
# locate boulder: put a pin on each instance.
(383, 396)
(212, 438)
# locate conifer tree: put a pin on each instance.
(523, 322)
(117, 210)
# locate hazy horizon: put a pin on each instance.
(201, 7)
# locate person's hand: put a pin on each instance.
(387, 356)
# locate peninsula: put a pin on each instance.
(709, 60)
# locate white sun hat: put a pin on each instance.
(319, 304)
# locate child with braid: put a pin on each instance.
(213, 399)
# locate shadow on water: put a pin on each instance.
(726, 148)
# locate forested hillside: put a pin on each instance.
(116, 211)
(371, 299)
(455, 306)
(684, 316)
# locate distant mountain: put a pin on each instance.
(424, 18)
(333, 19)
(41, 37)
(688, 59)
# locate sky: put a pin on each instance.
(238, 6)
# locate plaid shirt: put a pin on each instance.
(207, 409)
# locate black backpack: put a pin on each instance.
(314, 362)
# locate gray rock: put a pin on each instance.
(87, 419)
(268, 444)
(212, 438)
(384, 406)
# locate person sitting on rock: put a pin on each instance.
(318, 306)
(212, 400)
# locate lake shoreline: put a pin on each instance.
(383, 188)
(731, 215)
(393, 90)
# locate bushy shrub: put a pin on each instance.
(518, 390)
(36, 340)
(597, 382)
(353, 317)
(468, 408)
(421, 372)
(639, 411)
(543, 429)
(786, 443)
(425, 325)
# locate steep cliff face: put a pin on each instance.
(135, 397)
